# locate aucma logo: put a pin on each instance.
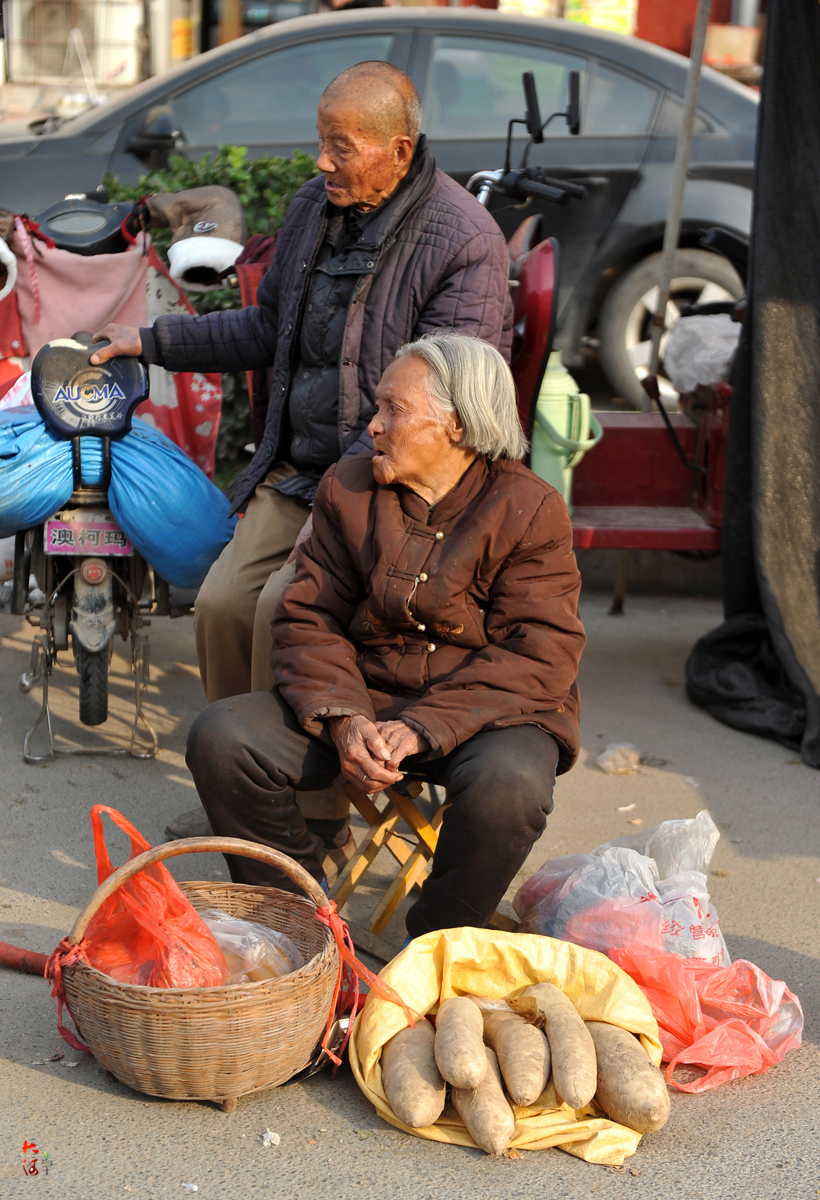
(88, 393)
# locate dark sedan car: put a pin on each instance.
(262, 92)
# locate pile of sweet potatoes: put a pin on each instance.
(480, 1049)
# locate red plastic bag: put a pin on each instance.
(148, 932)
(732, 1021)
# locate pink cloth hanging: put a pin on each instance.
(59, 293)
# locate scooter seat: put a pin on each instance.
(77, 399)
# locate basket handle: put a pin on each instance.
(198, 845)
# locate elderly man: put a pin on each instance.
(383, 248)
(431, 630)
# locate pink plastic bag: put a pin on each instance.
(732, 1021)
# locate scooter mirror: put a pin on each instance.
(154, 139)
(533, 111)
(574, 106)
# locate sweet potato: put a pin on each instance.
(460, 1042)
(631, 1089)
(485, 1111)
(411, 1080)
(571, 1046)
(523, 1054)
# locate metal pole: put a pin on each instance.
(744, 12)
(670, 237)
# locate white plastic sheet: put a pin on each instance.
(699, 350)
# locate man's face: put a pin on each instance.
(359, 168)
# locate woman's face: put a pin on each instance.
(412, 441)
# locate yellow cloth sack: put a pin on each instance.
(486, 962)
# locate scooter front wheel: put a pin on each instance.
(92, 667)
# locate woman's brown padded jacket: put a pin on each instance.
(459, 618)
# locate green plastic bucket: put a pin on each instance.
(564, 428)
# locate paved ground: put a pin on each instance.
(756, 1138)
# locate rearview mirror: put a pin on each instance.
(533, 111)
(574, 106)
(155, 138)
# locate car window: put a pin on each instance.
(618, 105)
(273, 98)
(474, 86)
(669, 118)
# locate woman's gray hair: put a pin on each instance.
(470, 377)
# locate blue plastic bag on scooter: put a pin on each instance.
(168, 508)
(35, 471)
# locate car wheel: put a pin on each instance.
(624, 323)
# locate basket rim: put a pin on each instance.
(177, 991)
(226, 989)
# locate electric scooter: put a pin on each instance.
(91, 579)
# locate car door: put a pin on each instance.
(267, 101)
(472, 88)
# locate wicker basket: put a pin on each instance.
(213, 1043)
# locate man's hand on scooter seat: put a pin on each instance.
(124, 339)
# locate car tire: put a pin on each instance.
(624, 319)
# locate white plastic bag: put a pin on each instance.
(648, 893)
(6, 559)
(19, 394)
(700, 350)
(686, 845)
(252, 951)
(620, 758)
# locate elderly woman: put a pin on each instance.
(431, 631)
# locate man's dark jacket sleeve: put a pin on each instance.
(234, 340)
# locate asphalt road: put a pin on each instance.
(754, 1139)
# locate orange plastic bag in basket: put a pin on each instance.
(732, 1021)
(148, 932)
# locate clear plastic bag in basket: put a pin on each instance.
(252, 951)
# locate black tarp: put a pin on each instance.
(760, 670)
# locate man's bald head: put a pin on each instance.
(384, 97)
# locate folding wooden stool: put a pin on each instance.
(399, 805)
